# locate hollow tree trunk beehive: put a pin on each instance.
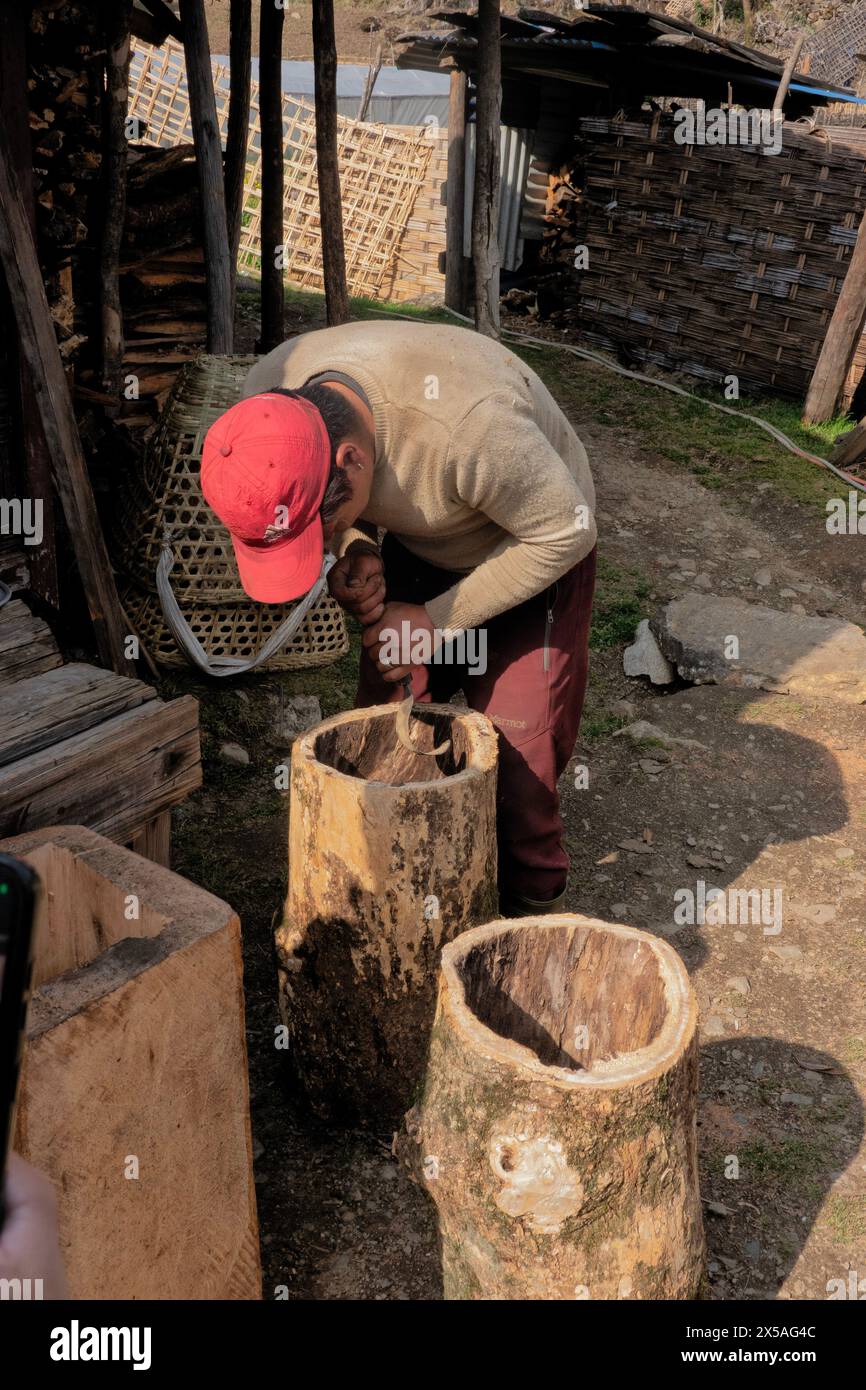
(556, 1130)
(391, 854)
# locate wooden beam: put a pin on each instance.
(115, 100)
(790, 66)
(273, 177)
(485, 198)
(841, 340)
(166, 16)
(455, 196)
(240, 50)
(14, 108)
(68, 467)
(209, 159)
(327, 162)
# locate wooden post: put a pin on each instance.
(369, 83)
(273, 176)
(790, 66)
(556, 1128)
(391, 854)
(240, 50)
(455, 196)
(209, 161)
(840, 343)
(485, 198)
(42, 561)
(327, 162)
(69, 470)
(117, 55)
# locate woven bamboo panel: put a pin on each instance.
(382, 170)
(715, 260)
(415, 268)
(164, 499)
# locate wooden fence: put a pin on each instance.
(715, 260)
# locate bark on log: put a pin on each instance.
(327, 163)
(118, 49)
(390, 856)
(273, 291)
(209, 158)
(485, 199)
(556, 1129)
(840, 343)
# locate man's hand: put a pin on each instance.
(388, 633)
(29, 1247)
(357, 582)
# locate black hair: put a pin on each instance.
(341, 420)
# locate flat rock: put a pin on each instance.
(782, 652)
(644, 657)
(292, 715)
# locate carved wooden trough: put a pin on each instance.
(391, 854)
(556, 1128)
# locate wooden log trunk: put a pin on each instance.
(485, 198)
(390, 855)
(272, 229)
(134, 1096)
(556, 1130)
(327, 163)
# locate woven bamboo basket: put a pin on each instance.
(164, 499)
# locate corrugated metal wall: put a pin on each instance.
(515, 152)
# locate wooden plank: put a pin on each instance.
(140, 1050)
(841, 340)
(115, 778)
(327, 163)
(209, 160)
(154, 841)
(69, 470)
(45, 709)
(27, 645)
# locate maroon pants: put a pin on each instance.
(532, 691)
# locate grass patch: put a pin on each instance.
(846, 1218)
(795, 1161)
(722, 451)
(620, 603)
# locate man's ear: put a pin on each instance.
(346, 454)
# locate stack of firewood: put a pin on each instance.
(65, 84)
(162, 276)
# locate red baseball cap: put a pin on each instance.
(264, 470)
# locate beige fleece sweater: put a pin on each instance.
(477, 469)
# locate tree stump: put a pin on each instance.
(556, 1129)
(391, 854)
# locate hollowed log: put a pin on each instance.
(556, 1131)
(391, 854)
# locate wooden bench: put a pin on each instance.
(81, 745)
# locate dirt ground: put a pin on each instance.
(771, 793)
